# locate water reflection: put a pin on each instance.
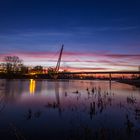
(32, 86)
(2, 99)
(70, 109)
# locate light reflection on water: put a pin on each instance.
(32, 86)
(72, 109)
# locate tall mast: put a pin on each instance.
(59, 60)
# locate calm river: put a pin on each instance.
(69, 110)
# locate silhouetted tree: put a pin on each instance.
(13, 64)
(2, 67)
(38, 69)
(51, 72)
(24, 69)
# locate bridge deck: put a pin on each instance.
(104, 72)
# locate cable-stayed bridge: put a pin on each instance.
(110, 73)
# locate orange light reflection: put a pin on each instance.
(32, 86)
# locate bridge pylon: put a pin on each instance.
(53, 72)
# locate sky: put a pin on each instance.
(97, 35)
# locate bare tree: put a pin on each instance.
(13, 64)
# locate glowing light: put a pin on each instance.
(32, 73)
(32, 86)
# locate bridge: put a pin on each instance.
(104, 72)
(109, 73)
(55, 71)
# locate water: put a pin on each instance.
(73, 109)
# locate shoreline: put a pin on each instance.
(135, 82)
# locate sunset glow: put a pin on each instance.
(70, 69)
(76, 61)
(96, 36)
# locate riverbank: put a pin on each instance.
(134, 82)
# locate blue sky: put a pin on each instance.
(83, 26)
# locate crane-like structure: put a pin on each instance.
(59, 60)
(53, 72)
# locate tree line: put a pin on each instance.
(14, 65)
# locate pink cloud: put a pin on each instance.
(65, 53)
(83, 69)
(104, 59)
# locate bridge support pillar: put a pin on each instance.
(110, 78)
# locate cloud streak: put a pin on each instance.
(81, 60)
(71, 56)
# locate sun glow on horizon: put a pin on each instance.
(78, 61)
